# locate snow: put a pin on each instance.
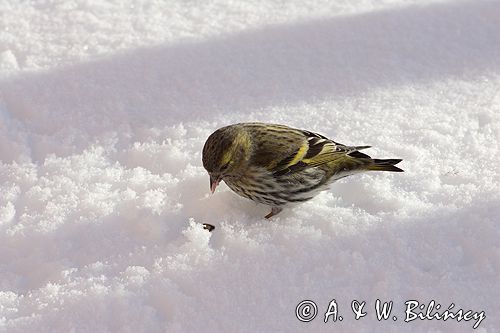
(104, 109)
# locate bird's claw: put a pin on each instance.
(274, 211)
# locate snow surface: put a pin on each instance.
(104, 109)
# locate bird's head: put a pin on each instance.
(226, 153)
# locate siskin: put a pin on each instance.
(277, 165)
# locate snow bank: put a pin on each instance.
(104, 109)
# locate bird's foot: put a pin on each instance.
(274, 211)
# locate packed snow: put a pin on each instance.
(104, 110)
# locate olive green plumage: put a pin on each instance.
(278, 165)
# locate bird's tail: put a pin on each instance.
(385, 165)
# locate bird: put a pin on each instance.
(279, 166)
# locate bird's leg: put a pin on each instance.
(274, 211)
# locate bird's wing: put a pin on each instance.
(315, 150)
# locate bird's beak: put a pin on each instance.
(214, 181)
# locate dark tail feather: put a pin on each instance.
(361, 147)
(385, 165)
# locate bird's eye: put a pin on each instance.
(224, 167)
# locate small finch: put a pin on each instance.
(277, 165)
